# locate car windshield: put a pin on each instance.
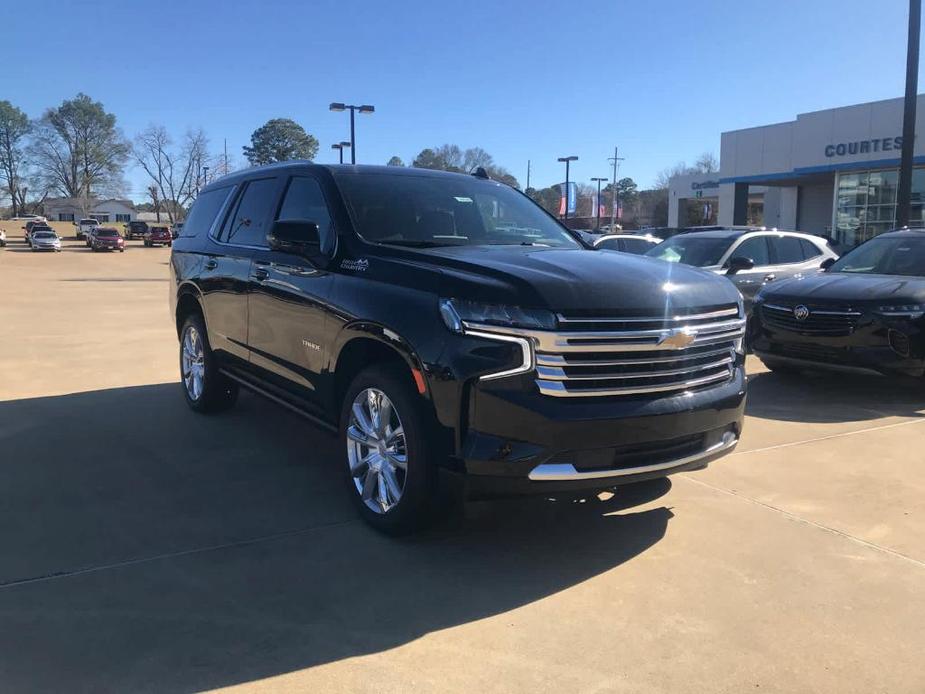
(45, 235)
(88, 221)
(107, 232)
(690, 249)
(428, 211)
(897, 255)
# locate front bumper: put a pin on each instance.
(520, 442)
(876, 344)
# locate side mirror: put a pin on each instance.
(739, 263)
(297, 236)
(827, 263)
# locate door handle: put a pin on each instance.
(211, 264)
(770, 278)
(260, 274)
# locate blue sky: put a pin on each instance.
(524, 80)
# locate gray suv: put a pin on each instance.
(750, 258)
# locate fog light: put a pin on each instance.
(899, 342)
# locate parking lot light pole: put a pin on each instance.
(904, 190)
(340, 147)
(205, 175)
(598, 202)
(365, 108)
(568, 160)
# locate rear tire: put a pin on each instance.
(389, 468)
(206, 390)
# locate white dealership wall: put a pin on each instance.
(797, 161)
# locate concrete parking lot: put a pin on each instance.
(146, 549)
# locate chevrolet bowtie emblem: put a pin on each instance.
(676, 340)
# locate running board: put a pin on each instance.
(278, 400)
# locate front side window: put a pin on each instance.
(899, 255)
(248, 225)
(429, 211)
(305, 200)
(691, 249)
(755, 249)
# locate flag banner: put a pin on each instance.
(571, 199)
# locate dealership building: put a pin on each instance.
(831, 172)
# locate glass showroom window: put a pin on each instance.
(866, 204)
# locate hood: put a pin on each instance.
(847, 287)
(574, 279)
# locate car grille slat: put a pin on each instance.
(830, 321)
(626, 355)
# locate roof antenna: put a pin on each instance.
(480, 172)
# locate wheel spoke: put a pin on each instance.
(354, 434)
(396, 433)
(385, 416)
(391, 483)
(359, 416)
(382, 492)
(369, 484)
(398, 460)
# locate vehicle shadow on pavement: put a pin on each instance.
(830, 398)
(143, 548)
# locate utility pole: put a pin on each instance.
(597, 204)
(904, 192)
(225, 159)
(528, 175)
(613, 191)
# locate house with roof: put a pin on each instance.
(75, 209)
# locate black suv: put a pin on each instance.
(448, 329)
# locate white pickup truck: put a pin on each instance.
(85, 226)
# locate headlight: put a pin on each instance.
(455, 312)
(902, 310)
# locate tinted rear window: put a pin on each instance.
(204, 211)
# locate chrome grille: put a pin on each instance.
(597, 356)
(833, 321)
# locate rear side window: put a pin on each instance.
(204, 211)
(305, 200)
(788, 249)
(810, 250)
(247, 226)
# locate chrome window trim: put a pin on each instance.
(564, 472)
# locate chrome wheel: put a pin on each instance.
(376, 450)
(193, 364)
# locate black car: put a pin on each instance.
(866, 311)
(136, 229)
(450, 330)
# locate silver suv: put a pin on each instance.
(750, 258)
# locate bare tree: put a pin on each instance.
(176, 172)
(706, 163)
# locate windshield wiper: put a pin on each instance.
(414, 243)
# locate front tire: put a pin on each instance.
(206, 390)
(385, 431)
